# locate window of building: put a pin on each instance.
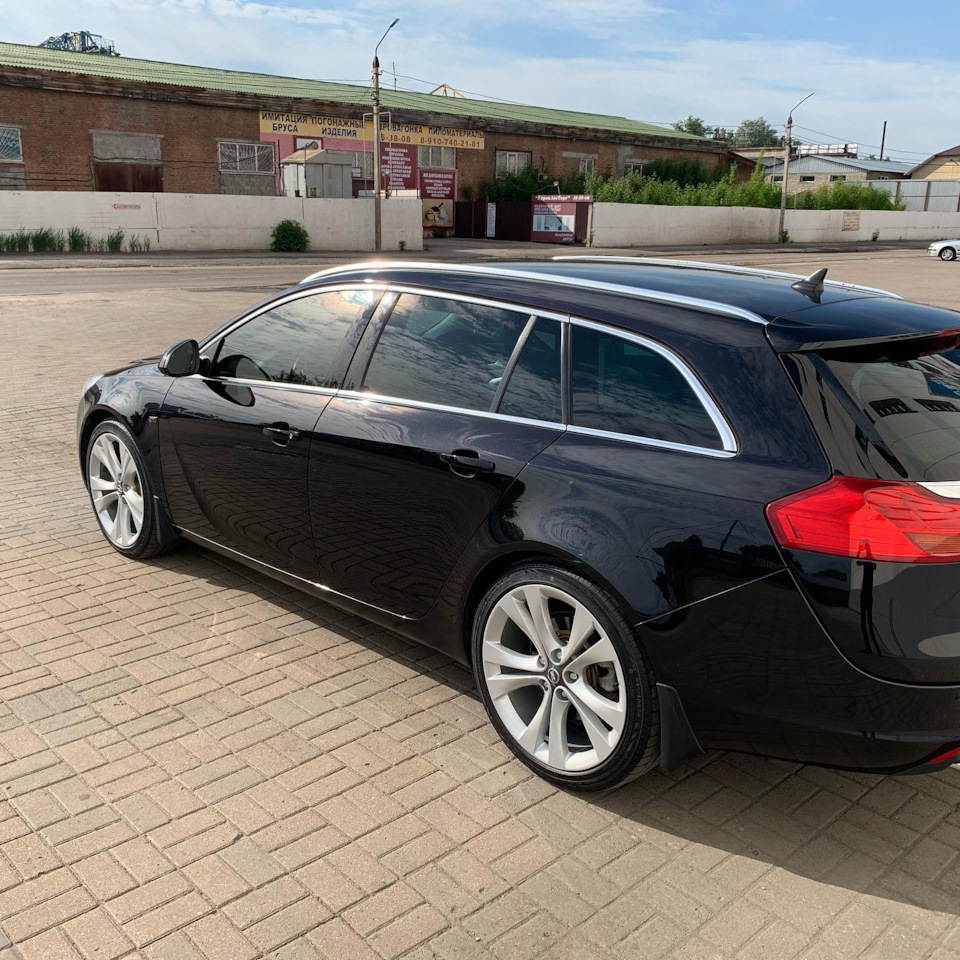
(778, 178)
(623, 387)
(512, 161)
(246, 157)
(807, 179)
(128, 177)
(834, 177)
(363, 161)
(633, 166)
(443, 351)
(588, 164)
(437, 158)
(11, 148)
(296, 342)
(534, 387)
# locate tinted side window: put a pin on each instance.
(623, 387)
(534, 388)
(443, 351)
(296, 342)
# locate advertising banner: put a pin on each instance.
(410, 134)
(438, 190)
(554, 217)
(399, 167)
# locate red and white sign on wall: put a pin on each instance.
(399, 166)
(554, 217)
(438, 190)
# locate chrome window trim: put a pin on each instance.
(282, 384)
(650, 442)
(639, 293)
(728, 440)
(720, 267)
(730, 446)
(296, 294)
(359, 395)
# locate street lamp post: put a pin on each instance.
(377, 230)
(787, 144)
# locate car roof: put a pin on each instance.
(835, 312)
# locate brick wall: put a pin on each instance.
(57, 144)
(477, 166)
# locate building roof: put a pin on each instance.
(949, 152)
(262, 84)
(871, 166)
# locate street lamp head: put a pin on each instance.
(396, 20)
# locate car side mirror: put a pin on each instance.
(181, 360)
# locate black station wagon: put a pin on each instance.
(659, 506)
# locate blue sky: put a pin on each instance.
(656, 60)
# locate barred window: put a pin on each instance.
(512, 161)
(246, 157)
(11, 150)
(588, 164)
(437, 158)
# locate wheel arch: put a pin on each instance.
(93, 419)
(521, 554)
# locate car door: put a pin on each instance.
(413, 455)
(238, 434)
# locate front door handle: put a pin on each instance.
(281, 434)
(467, 463)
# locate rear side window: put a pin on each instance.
(623, 387)
(911, 396)
(534, 388)
(296, 342)
(447, 352)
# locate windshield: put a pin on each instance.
(910, 393)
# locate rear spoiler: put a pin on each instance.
(859, 322)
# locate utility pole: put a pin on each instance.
(787, 143)
(377, 180)
(883, 138)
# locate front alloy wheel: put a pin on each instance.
(120, 492)
(948, 253)
(116, 489)
(563, 679)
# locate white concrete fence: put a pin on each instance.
(642, 225)
(177, 221)
(183, 221)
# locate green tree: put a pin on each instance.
(755, 133)
(692, 124)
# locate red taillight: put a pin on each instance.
(949, 755)
(870, 520)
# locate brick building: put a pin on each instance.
(73, 121)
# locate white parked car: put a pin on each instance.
(944, 249)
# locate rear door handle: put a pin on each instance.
(468, 463)
(281, 434)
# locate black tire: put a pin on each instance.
(948, 253)
(148, 542)
(638, 749)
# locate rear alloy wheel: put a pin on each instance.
(948, 253)
(563, 678)
(120, 491)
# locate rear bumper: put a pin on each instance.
(756, 672)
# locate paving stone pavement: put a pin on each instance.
(199, 762)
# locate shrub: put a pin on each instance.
(439, 234)
(402, 246)
(115, 241)
(22, 241)
(135, 245)
(289, 236)
(728, 192)
(59, 242)
(79, 241)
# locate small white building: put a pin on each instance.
(811, 171)
(317, 173)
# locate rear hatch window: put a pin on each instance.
(909, 392)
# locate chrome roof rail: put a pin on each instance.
(719, 267)
(641, 293)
